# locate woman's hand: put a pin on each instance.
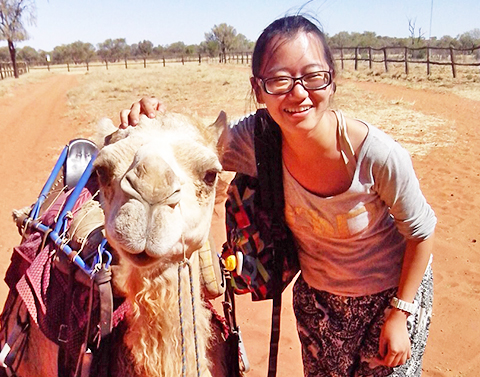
(394, 348)
(147, 106)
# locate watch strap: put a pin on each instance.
(408, 307)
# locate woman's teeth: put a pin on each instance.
(298, 110)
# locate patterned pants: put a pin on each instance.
(340, 334)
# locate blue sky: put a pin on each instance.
(164, 22)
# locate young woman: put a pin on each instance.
(364, 230)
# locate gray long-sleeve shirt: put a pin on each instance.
(353, 243)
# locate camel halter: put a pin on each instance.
(186, 263)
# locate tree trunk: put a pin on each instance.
(11, 49)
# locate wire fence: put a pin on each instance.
(387, 57)
(430, 56)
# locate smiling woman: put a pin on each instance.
(374, 264)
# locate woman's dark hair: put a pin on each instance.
(288, 27)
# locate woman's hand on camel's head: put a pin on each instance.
(147, 105)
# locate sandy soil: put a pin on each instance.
(35, 127)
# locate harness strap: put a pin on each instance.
(62, 359)
(238, 362)
(15, 341)
(103, 279)
(274, 335)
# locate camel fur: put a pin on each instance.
(157, 186)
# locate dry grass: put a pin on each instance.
(466, 84)
(8, 84)
(203, 90)
(417, 132)
(206, 89)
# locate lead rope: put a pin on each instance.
(181, 265)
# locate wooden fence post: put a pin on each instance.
(356, 58)
(452, 58)
(163, 59)
(428, 61)
(385, 58)
(370, 58)
(341, 57)
(199, 59)
(406, 60)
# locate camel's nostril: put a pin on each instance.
(174, 199)
(153, 181)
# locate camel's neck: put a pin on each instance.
(154, 324)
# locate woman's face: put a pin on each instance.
(299, 109)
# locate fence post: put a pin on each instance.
(356, 58)
(370, 58)
(452, 58)
(199, 59)
(385, 58)
(126, 64)
(341, 57)
(428, 61)
(163, 59)
(1, 70)
(406, 60)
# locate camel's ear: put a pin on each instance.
(220, 124)
(105, 128)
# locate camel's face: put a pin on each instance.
(158, 188)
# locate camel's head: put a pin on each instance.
(157, 182)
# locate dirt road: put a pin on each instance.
(34, 128)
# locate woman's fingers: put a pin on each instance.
(148, 106)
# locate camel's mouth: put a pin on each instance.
(142, 259)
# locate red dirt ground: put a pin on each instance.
(35, 128)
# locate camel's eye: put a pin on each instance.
(210, 177)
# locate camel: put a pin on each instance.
(157, 186)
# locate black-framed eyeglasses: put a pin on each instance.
(284, 84)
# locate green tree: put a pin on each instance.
(242, 44)
(144, 49)
(470, 39)
(30, 55)
(62, 54)
(82, 52)
(211, 48)
(225, 36)
(176, 48)
(447, 41)
(112, 50)
(4, 54)
(341, 39)
(158, 51)
(13, 15)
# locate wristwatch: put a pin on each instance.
(408, 307)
